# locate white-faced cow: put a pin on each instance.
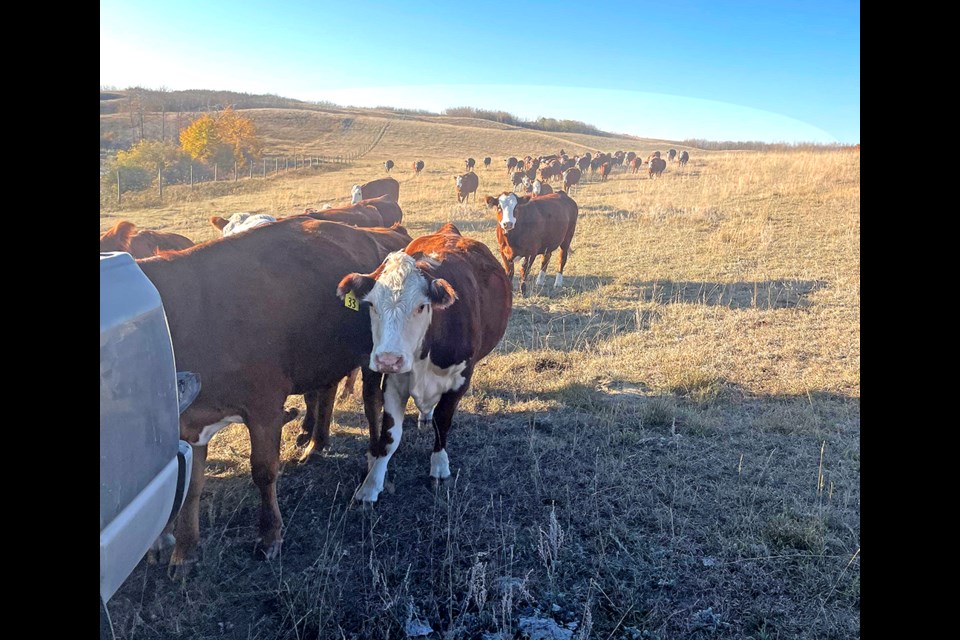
(467, 184)
(531, 226)
(256, 336)
(418, 166)
(539, 188)
(571, 177)
(684, 158)
(375, 188)
(469, 164)
(671, 155)
(436, 309)
(388, 166)
(240, 222)
(657, 167)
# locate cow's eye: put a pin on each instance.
(421, 308)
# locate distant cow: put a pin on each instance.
(541, 188)
(486, 162)
(435, 309)
(636, 164)
(375, 188)
(511, 164)
(551, 171)
(657, 166)
(684, 158)
(141, 243)
(571, 177)
(671, 154)
(517, 178)
(531, 226)
(470, 163)
(583, 163)
(258, 335)
(655, 154)
(418, 167)
(388, 165)
(239, 222)
(467, 184)
(628, 159)
(605, 170)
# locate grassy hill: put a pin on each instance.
(686, 410)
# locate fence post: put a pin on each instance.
(191, 176)
(160, 181)
(264, 167)
(118, 185)
(214, 171)
(251, 169)
(235, 168)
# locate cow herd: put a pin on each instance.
(343, 289)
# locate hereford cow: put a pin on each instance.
(671, 154)
(539, 188)
(583, 163)
(469, 164)
(418, 167)
(511, 164)
(436, 309)
(551, 171)
(657, 166)
(684, 158)
(571, 177)
(486, 162)
(390, 212)
(635, 164)
(375, 188)
(517, 178)
(356, 215)
(467, 184)
(240, 222)
(531, 226)
(256, 336)
(388, 165)
(141, 243)
(605, 170)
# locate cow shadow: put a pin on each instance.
(764, 294)
(535, 327)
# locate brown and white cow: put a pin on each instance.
(467, 184)
(388, 165)
(141, 243)
(375, 188)
(356, 215)
(418, 166)
(684, 158)
(390, 212)
(241, 221)
(539, 188)
(469, 164)
(636, 164)
(511, 164)
(671, 155)
(657, 167)
(531, 226)
(605, 170)
(256, 336)
(436, 309)
(571, 177)
(486, 162)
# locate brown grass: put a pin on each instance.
(666, 410)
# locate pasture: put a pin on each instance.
(666, 447)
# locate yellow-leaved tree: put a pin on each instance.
(221, 138)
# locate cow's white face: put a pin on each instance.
(508, 204)
(244, 221)
(526, 182)
(537, 187)
(401, 302)
(459, 182)
(357, 194)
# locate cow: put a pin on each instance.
(517, 178)
(390, 212)
(511, 164)
(467, 184)
(486, 162)
(583, 163)
(531, 226)
(469, 164)
(657, 166)
(571, 177)
(635, 164)
(540, 188)
(551, 171)
(256, 336)
(655, 154)
(605, 170)
(628, 159)
(374, 189)
(141, 243)
(240, 222)
(671, 154)
(521, 165)
(355, 215)
(436, 309)
(418, 167)
(388, 165)
(684, 158)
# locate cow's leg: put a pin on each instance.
(188, 522)
(372, 408)
(395, 397)
(543, 267)
(322, 412)
(564, 254)
(524, 270)
(442, 420)
(311, 399)
(264, 427)
(349, 384)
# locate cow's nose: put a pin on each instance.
(388, 362)
(507, 226)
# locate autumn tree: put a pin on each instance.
(222, 138)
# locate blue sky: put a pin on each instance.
(778, 71)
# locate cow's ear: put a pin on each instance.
(441, 294)
(357, 283)
(219, 222)
(491, 201)
(523, 199)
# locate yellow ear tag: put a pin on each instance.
(350, 301)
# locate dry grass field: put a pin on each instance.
(667, 447)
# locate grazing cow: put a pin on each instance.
(375, 188)
(657, 166)
(684, 158)
(551, 171)
(605, 170)
(388, 165)
(240, 222)
(390, 212)
(467, 184)
(356, 215)
(436, 309)
(486, 162)
(256, 336)
(517, 178)
(531, 226)
(470, 163)
(635, 164)
(571, 177)
(671, 154)
(418, 167)
(141, 243)
(541, 188)
(511, 164)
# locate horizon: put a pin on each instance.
(749, 72)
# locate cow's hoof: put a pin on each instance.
(303, 439)
(439, 465)
(290, 414)
(367, 494)
(310, 454)
(181, 564)
(270, 551)
(165, 542)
